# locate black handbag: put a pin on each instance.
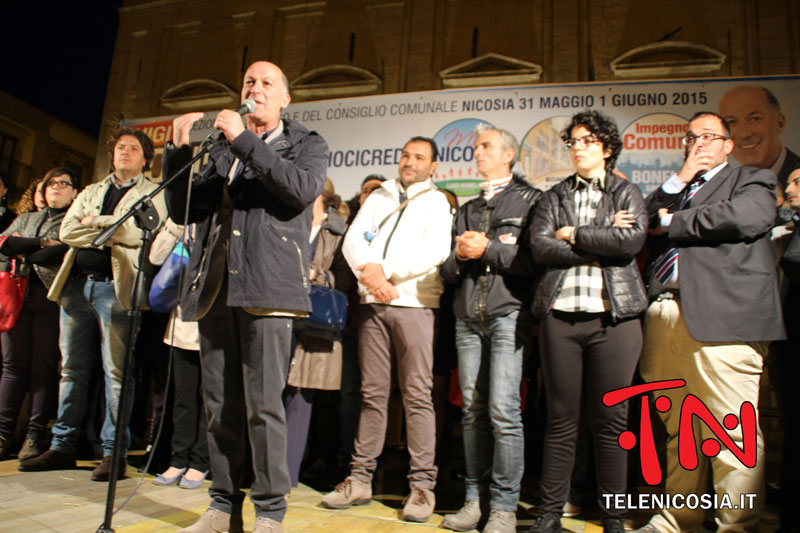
(328, 316)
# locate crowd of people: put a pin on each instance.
(600, 285)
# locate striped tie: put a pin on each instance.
(665, 266)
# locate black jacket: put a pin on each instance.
(501, 281)
(272, 201)
(614, 248)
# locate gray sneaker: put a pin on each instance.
(465, 519)
(501, 522)
(215, 521)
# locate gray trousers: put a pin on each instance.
(245, 361)
(409, 333)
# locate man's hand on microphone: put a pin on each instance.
(181, 127)
(229, 123)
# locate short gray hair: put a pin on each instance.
(508, 140)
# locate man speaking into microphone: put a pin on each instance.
(246, 280)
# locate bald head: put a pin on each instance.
(756, 122)
(267, 85)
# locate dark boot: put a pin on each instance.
(548, 522)
(103, 470)
(613, 525)
(49, 460)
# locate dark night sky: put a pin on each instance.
(56, 56)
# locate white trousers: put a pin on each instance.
(723, 376)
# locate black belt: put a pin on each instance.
(92, 277)
(671, 294)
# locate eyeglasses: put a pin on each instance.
(583, 142)
(58, 184)
(690, 138)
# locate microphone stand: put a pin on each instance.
(146, 218)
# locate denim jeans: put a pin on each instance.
(93, 324)
(490, 356)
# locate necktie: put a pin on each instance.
(665, 266)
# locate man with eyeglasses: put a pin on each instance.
(714, 309)
(94, 288)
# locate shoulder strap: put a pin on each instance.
(402, 206)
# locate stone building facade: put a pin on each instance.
(174, 56)
(32, 142)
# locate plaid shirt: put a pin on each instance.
(582, 289)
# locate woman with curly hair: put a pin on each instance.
(33, 197)
(586, 232)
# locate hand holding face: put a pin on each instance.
(696, 160)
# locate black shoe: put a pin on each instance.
(647, 528)
(548, 522)
(103, 470)
(49, 460)
(613, 525)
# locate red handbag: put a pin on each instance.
(12, 295)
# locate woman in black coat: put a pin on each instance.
(31, 355)
(586, 232)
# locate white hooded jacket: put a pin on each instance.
(418, 241)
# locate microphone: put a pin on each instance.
(248, 106)
(208, 170)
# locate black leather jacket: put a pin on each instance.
(272, 201)
(614, 248)
(501, 281)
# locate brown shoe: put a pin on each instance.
(216, 521)
(49, 460)
(418, 506)
(3, 446)
(349, 492)
(103, 471)
(32, 448)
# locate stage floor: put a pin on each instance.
(68, 501)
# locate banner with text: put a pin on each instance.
(365, 134)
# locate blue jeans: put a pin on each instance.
(93, 324)
(490, 355)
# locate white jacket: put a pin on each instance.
(418, 245)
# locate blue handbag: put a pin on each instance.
(163, 296)
(328, 316)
